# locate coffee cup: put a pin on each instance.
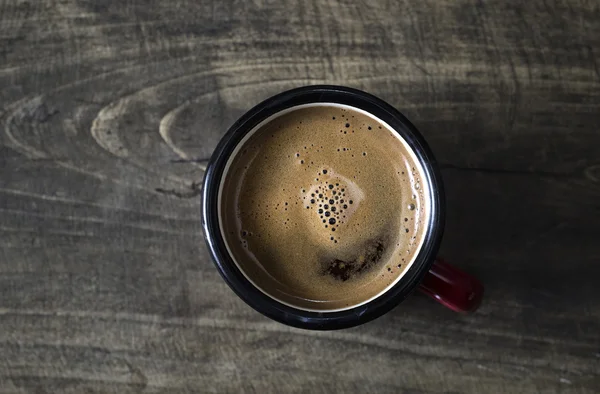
(323, 208)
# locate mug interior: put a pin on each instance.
(238, 148)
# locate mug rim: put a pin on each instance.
(256, 298)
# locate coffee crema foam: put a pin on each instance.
(323, 207)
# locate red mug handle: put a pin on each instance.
(452, 287)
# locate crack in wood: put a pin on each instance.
(195, 190)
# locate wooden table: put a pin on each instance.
(110, 109)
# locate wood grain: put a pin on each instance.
(110, 109)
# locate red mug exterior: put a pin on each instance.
(452, 287)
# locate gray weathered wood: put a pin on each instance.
(109, 110)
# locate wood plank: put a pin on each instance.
(109, 111)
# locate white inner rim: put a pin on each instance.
(425, 185)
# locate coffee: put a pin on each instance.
(323, 207)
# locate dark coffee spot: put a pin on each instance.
(332, 221)
(367, 258)
(347, 124)
(324, 171)
(331, 201)
(339, 269)
(331, 186)
(327, 213)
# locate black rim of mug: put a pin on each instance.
(271, 307)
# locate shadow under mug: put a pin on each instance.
(445, 283)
